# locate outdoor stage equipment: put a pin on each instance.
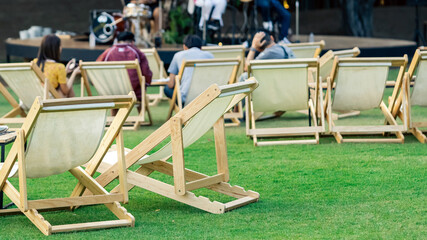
(102, 26)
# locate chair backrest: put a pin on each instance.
(283, 84)
(25, 79)
(327, 60)
(110, 78)
(207, 72)
(202, 117)
(66, 133)
(154, 62)
(418, 94)
(228, 51)
(307, 50)
(360, 82)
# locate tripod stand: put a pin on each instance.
(418, 36)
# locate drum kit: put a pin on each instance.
(105, 25)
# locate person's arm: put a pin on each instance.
(171, 83)
(257, 42)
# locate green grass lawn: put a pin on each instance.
(325, 191)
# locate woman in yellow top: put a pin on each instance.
(56, 72)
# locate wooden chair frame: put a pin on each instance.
(256, 133)
(17, 109)
(175, 104)
(317, 46)
(134, 121)
(339, 131)
(396, 99)
(31, 208)
(185, 180)
(239, 51)
(155, 98)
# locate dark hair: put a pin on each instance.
(267, 37)
(126, 36)
(49, 49)
(191, 41)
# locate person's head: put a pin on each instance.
(268, 37)
(50, 48)
(191, 41)
(126, 37)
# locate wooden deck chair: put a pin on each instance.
(58, 136)
(186, 127)
(325, 68)
(231, 51)
(158, 69)
(27, 81)
(111, 78)
(416, 97)
(359, 85)
(307, 50)
(283, 86)
(205, 72)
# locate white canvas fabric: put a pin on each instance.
(204, 75)
(154, 65)
(109, 80)
(24, 83)
(359, 87)
(196, 127)
(280, 89)
(61, 141)
(418, 96)
(304, 51)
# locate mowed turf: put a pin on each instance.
(325, 191)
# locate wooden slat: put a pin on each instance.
(204, 182)
(354, 129)
(75, 201)
(91, 225)
(284, 131)
(239, 202)
(271, 143)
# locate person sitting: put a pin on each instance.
(212, 11)
(192, 50)
(263, 42)
(284, 16)
(125, 50)
(48, 60)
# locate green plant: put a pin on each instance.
(180, 24)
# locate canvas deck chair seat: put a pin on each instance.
(204, 73)
(283, 86)
(186, 127)
(307, 50)
(359, 86)
(325, 68)
(111, 78)
(231, 51)
(415, 97)
(159, 73)
(27, 81)
(59, 136)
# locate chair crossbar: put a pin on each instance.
(226, 94)
(365, 64)
(15, 68)
(104, 67)
(80, 107)
(215, 64)
(281, 66)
